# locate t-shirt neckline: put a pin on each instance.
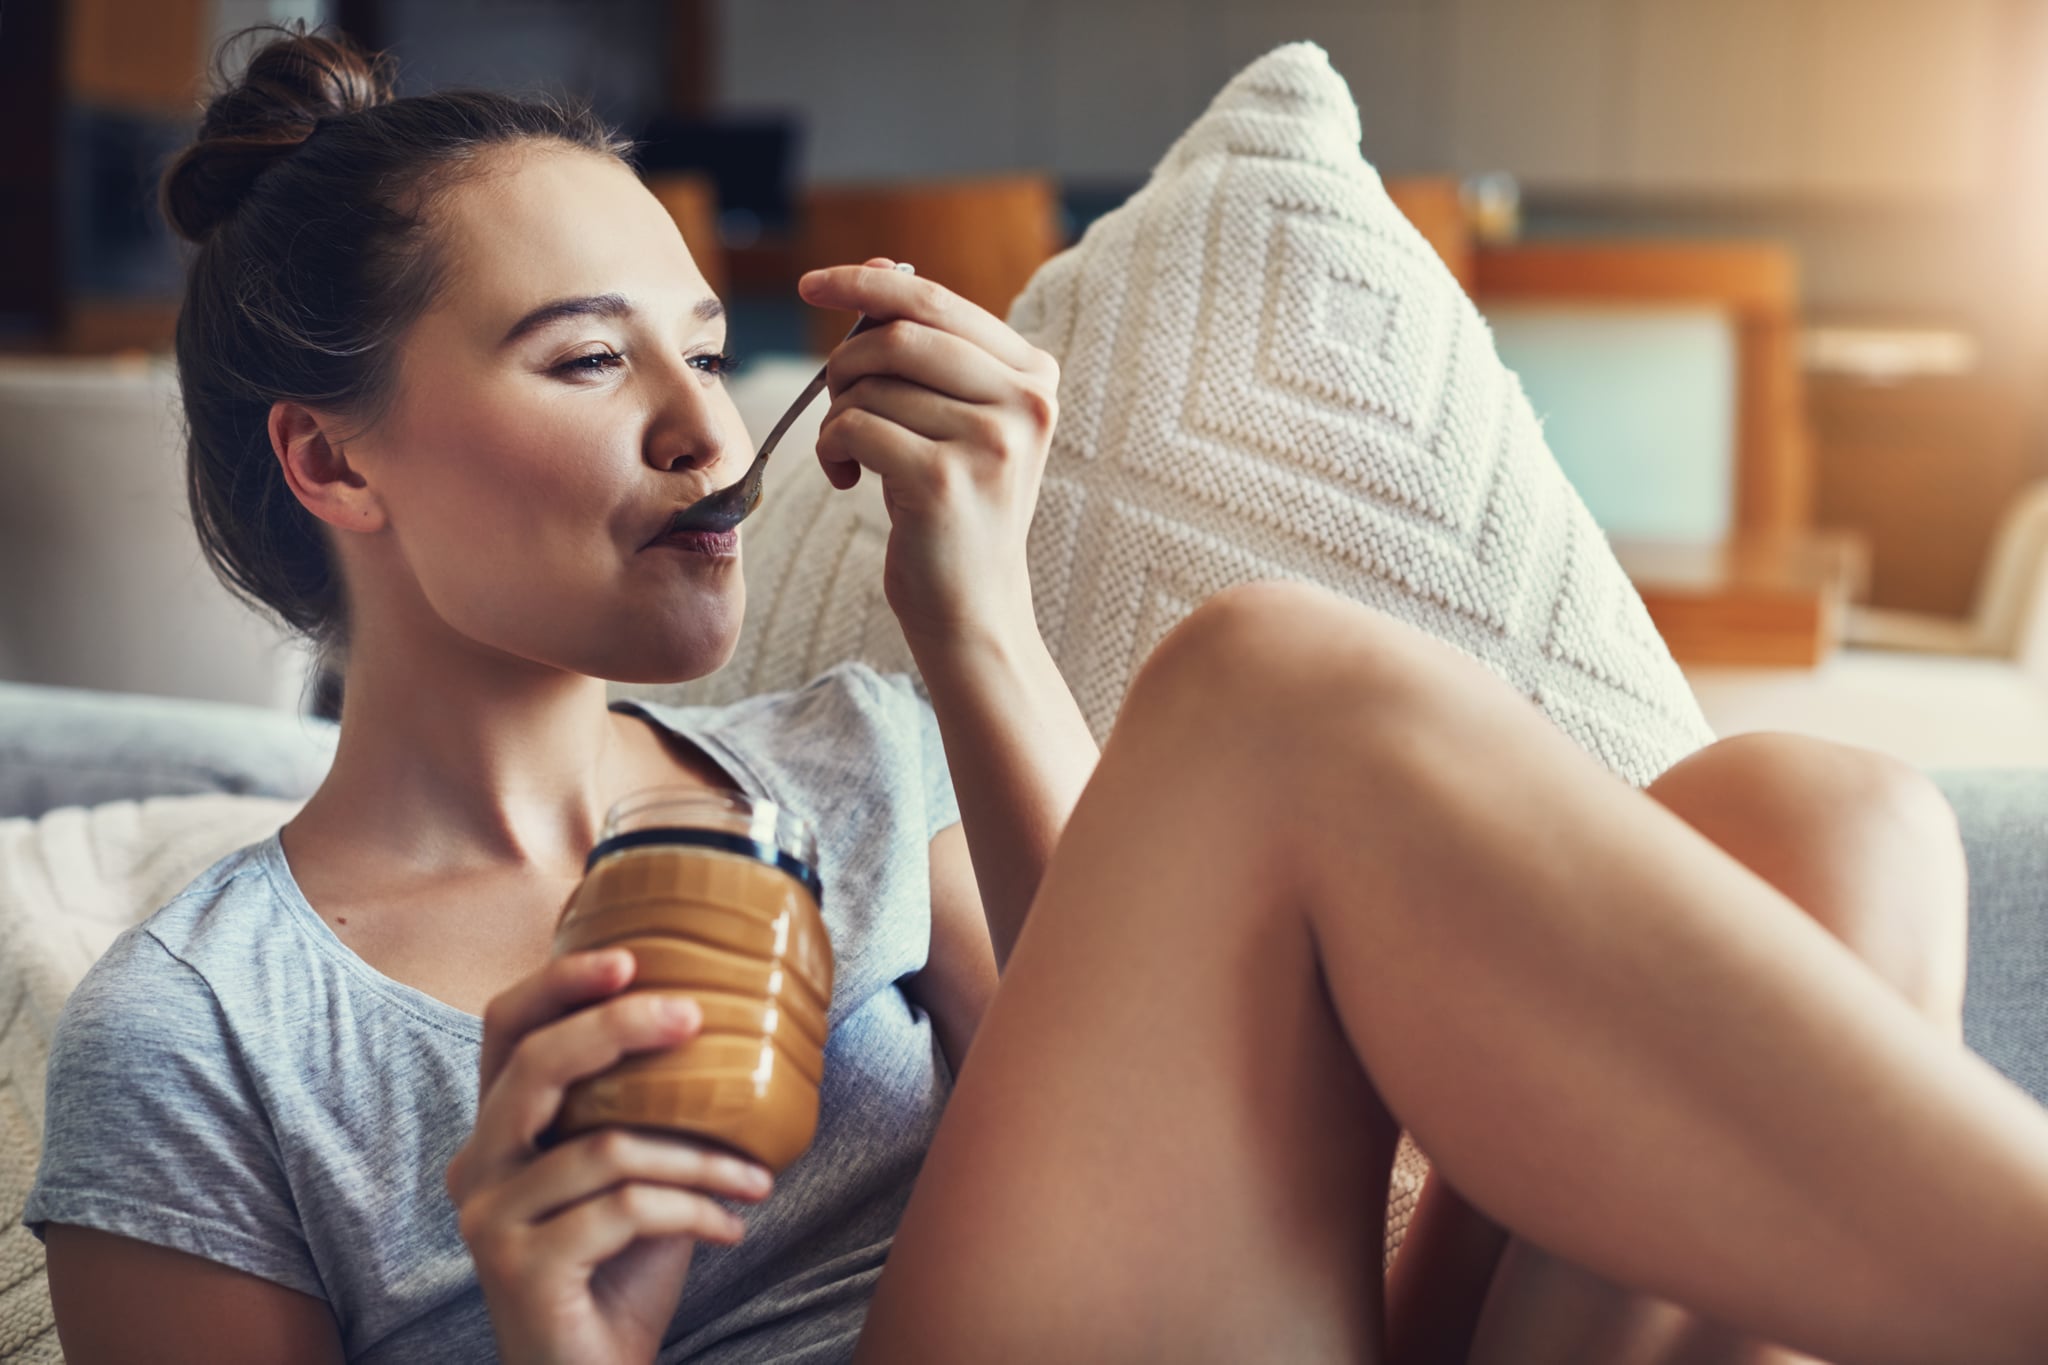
(431, 1009)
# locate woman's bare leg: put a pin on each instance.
(1316, 835)
(1865, 846)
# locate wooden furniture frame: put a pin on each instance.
(1755, 284)
(982, 237)
(1436, 206)
(1775, 592)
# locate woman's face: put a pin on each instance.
(557, 404)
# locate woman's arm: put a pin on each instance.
(955, 412)
(959, 978)
(121, 1300)
(1019, 752)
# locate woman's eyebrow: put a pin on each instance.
(595, 306)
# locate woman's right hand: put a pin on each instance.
(582, 1249)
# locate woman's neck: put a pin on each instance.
(450, 759)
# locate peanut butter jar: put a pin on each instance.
(717, 897)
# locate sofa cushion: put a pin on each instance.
(1268, 373)
(69, 747)
(69, 883)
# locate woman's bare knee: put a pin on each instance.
(1273, 659)
(1863, 843)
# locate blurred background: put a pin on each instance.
(1771, 270)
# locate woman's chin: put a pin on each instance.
(679, 658)
(675, 644)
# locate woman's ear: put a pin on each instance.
(318, 470)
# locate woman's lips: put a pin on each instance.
(716, 544)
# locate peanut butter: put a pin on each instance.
(745, 939)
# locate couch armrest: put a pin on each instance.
(2004, 817)
(63, 746)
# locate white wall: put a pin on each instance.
(1774, 97)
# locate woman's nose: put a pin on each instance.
(688, 431)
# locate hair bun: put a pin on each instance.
(289, 85)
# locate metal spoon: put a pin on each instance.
(728, 507)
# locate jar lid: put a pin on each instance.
(725, 840)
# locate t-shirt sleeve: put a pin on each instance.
(153, 1128)
(941, 807)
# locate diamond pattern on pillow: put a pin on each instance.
(1268, 373)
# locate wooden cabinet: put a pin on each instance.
(84, 87)
(138, 57)
(1922, 469)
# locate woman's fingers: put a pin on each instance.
(917, 409)
(938, 360)
(890, 294)
(595, 1162)
(857, 438)
(604, 1225)
(563, 985)
(528, 1093)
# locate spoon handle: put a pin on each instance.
(811, 391)
(817, 384)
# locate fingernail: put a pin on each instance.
(810, 275)
(904, 266)
(758, 1177)
(678, 1009)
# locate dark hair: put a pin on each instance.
(307, 191)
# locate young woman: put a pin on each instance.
(449, 370)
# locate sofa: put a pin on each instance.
(65, 748)
(109, 801)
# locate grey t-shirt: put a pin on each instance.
(231, 1081)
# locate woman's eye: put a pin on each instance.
(595, 363)
(721, 363)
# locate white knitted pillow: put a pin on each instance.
(1268, 373)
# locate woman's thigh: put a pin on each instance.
(1161, 1146)
(1858, 842)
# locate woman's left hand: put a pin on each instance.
(954, 411)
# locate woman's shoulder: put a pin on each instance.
(849, 720)
(855, 744)
(154, 1125)
(159, 966)
(213, 919)
(850, 689)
